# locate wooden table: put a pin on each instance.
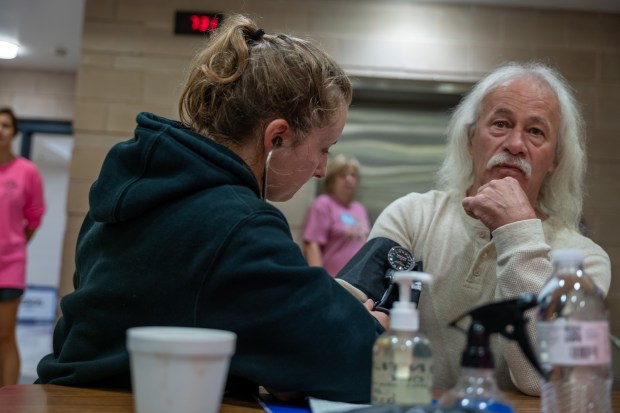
(36, 398)
(49, 398)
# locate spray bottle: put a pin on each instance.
(402, 361)
(476, 387)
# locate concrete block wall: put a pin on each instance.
(37, 94)
(132, 62)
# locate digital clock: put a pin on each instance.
(186, 22)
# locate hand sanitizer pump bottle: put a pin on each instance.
(402, 362)
(476, 388)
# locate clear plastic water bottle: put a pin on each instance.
(573, 340)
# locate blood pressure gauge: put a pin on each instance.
(400, 259)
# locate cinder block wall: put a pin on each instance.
(132, 62)
(38, 94)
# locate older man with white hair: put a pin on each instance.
(510, 190)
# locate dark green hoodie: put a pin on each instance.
(177, 235)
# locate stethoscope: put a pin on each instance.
(277, 142)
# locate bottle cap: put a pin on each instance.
(567, 255)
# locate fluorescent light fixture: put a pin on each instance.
(8, 50)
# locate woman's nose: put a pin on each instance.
(320, 170)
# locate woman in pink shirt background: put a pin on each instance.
(336, 225)
(21, 208)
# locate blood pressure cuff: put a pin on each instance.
(366, 270)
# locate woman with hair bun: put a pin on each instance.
(180, 233)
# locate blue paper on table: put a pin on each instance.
(271, 405)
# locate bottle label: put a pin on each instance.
(402, 383)
(574, 343)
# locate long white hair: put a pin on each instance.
(562, 191)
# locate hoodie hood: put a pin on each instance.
(162, 162)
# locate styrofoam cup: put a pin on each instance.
(179, 369)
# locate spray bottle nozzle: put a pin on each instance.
(504, 317)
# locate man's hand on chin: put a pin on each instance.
(499, 202)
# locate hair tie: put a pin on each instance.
(257, 35)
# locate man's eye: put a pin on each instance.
(500, 124)
(536, 132)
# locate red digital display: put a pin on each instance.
(196, 22)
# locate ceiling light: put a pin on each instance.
(8, 50)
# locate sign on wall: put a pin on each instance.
(38, 305)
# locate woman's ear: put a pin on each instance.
(277, 134)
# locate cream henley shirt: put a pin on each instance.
(470, 267)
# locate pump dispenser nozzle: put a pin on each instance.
(503, 317)
(404, 314)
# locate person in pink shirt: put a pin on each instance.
(336, 225)
(21, 208)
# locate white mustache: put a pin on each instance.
(503, 158)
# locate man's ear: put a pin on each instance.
(470, 136)
(556, 159)
(553, 166)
